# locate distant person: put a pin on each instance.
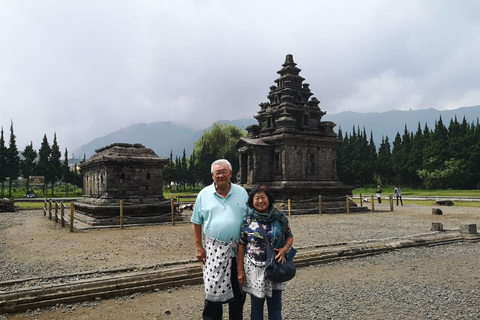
(379, 194)
(218, 214)
(398, 194)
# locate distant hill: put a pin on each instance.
(390, 122)
(160, 136)
(164, 137)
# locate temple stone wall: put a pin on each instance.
(294, 163)
(327, 164)
(263, 161)
(123, 172)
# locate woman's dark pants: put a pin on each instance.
(274, 305)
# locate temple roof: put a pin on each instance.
(289, 67)
(291, 105)
(123, 152)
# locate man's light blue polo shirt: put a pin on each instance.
(220, 218)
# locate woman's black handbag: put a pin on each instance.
(277, 271)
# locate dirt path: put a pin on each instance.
(31, 245)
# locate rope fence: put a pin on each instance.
(52, 209)
(372, 200)
(321, 204)
(53, 213)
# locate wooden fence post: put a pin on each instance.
(121, 214)
(320, 204)
(45, 208)
(72, 210)
(361, 200)
(373, 203)
(172, 207)
(178, 199)
(62, 214)
(391, 202)
(348, 204)
(56, 212)
(50, 209)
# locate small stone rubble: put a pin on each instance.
(7, 205)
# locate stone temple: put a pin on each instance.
(128, 172)
(291, 149)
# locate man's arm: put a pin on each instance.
(199, 250)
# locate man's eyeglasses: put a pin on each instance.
(220, 173)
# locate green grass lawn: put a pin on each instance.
(35, 205)
(420, 192)
(189, 196)
(426, 203)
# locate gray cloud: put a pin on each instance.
(86, 68)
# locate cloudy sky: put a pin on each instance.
(86, 68)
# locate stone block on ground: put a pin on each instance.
(437, 211)
(444, 202)
(7, 205)
(437, 226)
(468, 229)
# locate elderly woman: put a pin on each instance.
(252, 252)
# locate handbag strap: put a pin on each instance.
(269, 245)
(270, 251)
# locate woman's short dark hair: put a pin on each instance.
(259, 188)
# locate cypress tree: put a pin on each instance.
(192, 169)
(183, 169)
(397, 158)
(342, 157)
(43, 164)
(13, 160)
(346, 172)
(3, 160)
(66, 173)
(415, 159)
(27, 164)
(436, 151)
(384, 168)
(473, 145)
(407, 173)
(55, 162)
(168, 171)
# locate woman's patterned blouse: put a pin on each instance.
(250, 236)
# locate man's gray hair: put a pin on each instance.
(221, 161)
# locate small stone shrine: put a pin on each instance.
(128, 172)
(291, 149)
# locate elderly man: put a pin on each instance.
(219, 211)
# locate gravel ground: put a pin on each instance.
(417, 283)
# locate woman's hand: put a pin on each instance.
(280, 257)
(242, 279)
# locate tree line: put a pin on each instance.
(442, 157)
(46, 162)
(216, 143)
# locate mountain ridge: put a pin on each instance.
(167, 136)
